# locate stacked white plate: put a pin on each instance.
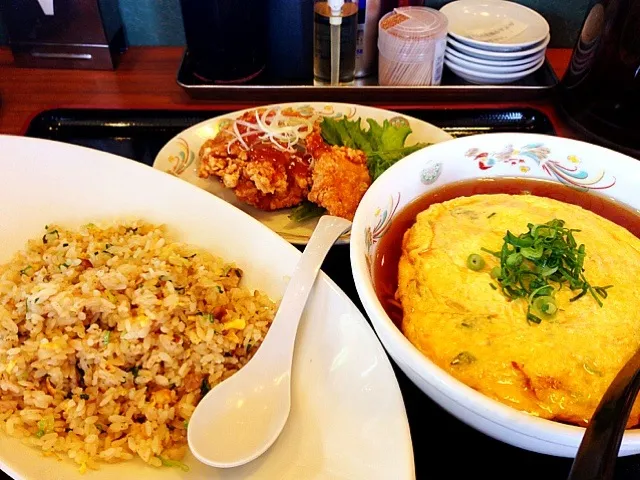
(494, 41)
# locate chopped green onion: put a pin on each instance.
(24, 270)
(495, 254)
(532, 262)
(45, 237)
(592, 371)
(106, 337)
(463, 358)
(533, 319)
(475, 262)
(602, 291)
(173, 463)
(45, 425)
(515, 260)
(546, 304)
(204, 386)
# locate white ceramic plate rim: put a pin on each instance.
(491, 54)
(493, 76)
(118, 173)
(460, 63)
(455, 9)
(436, 135)
(494, 63)
(459, 393)
(496, 47)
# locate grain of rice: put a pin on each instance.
(108, 333)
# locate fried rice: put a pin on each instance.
(110, 336)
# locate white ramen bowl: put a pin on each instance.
(569, 162)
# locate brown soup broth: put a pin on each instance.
(385, 264)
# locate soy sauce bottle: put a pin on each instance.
(324, 19)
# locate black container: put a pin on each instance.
(600, 92)
(290, 34)
(226, 38)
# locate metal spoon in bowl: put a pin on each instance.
(239, 419)
(596, 457)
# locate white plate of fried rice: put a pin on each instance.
(126, 293)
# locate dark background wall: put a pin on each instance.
(158, 22)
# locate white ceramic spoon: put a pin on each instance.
(239, 419)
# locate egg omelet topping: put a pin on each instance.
(531, 301)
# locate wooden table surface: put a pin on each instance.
(146, 78)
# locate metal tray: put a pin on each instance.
(444, 447)
(539, 84)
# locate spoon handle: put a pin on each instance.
(596, 457)
(285, 323)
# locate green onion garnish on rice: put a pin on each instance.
(173, 463)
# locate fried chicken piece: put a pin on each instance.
(216, 160)
(340, 177)
(262, 176)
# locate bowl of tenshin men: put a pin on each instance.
(499, 272)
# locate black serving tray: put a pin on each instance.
(140, 134)
(266, 87)
(444, 447)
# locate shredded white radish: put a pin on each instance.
(283, 131)
(239, 137)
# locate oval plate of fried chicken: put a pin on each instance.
(288, 164)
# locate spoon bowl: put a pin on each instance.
(239, 419)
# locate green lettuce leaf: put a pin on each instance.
(383, 144)
(305, 211)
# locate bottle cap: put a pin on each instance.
(335, 6)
